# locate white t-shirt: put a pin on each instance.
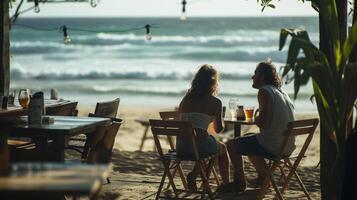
(271, 138)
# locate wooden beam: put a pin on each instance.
(4, 47)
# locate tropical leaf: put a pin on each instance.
(350, 42)
(324, 113)
(328, 11)
(348, 94)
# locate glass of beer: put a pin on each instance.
(24, 98)
(249, 112)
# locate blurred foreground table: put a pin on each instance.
(52, 181)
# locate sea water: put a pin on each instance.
(106, 64)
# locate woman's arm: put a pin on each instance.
(263, 120)
(218, 123)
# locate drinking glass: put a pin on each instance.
(232, 104)
(249, 112)
(24, 98)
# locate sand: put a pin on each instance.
(136, 174)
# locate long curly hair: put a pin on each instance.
(271, 76)
(204, 83)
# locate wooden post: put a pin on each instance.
(4, 47)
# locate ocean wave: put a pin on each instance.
(18, 74)
(183, 39)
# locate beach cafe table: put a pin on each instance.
(238, 124)
(52, 181)
(61, 130)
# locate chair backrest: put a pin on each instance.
(169, 115)
(101, 146)
(172, 128)
(298, 128)
(66, 109)
(108, 108)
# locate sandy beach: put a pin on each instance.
(136, 174)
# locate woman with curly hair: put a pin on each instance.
(201, 106)
(275, 111)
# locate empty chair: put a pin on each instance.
(66, 109)
(107, 109)
(165, 115)
(295, 128)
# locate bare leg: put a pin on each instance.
(223, 162)
(258, 163)
(237, 162)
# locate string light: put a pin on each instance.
(66, 38)
(148, 33)
(37, 7)
(94, 3)
(183, 15)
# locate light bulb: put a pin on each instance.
(148, 36)
(148, 33)
(183, 16)
(94, 3)
(66, 40)
(37, 9)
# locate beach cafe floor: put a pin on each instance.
(136, 175)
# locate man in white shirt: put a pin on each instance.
(275, 111)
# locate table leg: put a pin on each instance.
(57, 150)
(237, 129)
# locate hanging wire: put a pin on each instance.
(86, 30)
(67, 39)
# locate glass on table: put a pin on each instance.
(24, 98)
(232, 105)
(249, 112)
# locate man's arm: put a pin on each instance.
(263, 120)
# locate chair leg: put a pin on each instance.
(293, 172)
(203, 168)
(144, 138)
(171, 178)
(216, 177)
(270, 178)
(161, 184)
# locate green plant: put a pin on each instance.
(334, 79)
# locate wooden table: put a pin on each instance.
(59, 131)
(52, 181)
(15, 111)
(238, 124)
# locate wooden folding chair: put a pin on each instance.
(295, 128)
(170, 159)
(102, 109)
(100, 147)
(67, 109)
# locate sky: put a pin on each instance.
(162, 8)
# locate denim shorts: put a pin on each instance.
(249, 146)
(206, 147)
